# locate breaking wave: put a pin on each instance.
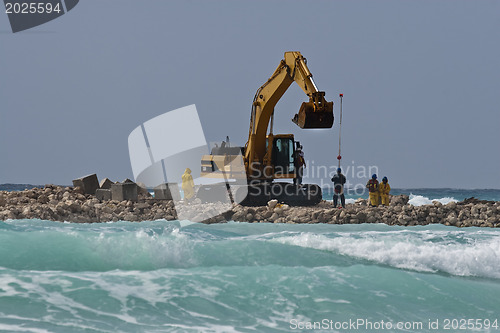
(420, 200)
(457, 253)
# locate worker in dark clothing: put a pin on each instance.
(338, 188)
(300, 164)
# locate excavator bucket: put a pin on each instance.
(317, 113)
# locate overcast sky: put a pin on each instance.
(421, 83)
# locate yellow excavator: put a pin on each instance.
(268, 156)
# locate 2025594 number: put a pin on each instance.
(31, 8)
(470, 324)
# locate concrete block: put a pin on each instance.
(103, 194)
(89, 184)
(124, 191)
(168, 191)
(105, 184)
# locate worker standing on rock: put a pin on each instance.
(372, 186)
(338, 188)
(384, 189)
(187, 184)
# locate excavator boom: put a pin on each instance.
(316, 113)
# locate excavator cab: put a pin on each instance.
(317, 113)
(283, 156)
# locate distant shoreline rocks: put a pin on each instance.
(71, 204)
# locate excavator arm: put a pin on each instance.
(316, 113)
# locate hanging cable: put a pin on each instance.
(339, 157)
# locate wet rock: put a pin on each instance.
(473, 201)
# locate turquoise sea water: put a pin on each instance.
(240, 277)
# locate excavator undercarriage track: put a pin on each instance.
(260, 194)
(286, 193)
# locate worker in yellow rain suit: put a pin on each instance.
(383, 189)
(372, 186)
(187, 184)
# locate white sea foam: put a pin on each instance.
(415, 200)
(414, 251)
(419, 200)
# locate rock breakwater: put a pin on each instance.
(70, 204)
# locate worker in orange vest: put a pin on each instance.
(372, 186)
